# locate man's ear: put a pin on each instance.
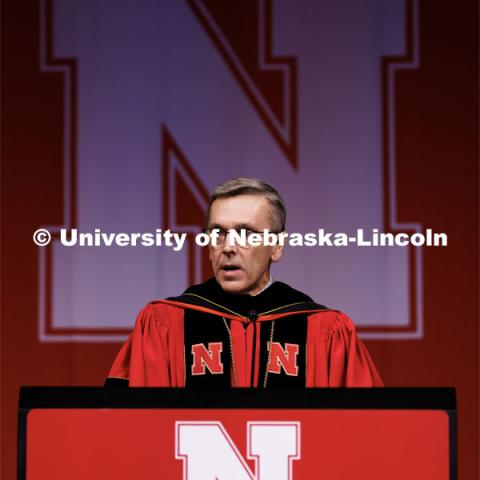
(277, 252)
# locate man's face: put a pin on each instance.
(239, 269)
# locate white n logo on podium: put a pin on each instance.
(208, 452)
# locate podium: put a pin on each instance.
(238, 434)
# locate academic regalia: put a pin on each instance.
(209, 337)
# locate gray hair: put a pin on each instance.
(252, 186)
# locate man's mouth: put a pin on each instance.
(230, 268)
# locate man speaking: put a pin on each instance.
(241, 328)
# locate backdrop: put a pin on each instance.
(122, 116)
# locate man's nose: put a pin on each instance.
(228, 247)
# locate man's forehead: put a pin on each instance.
(249, 210)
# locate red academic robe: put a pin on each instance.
(153, 355)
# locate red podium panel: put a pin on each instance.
(249, 440)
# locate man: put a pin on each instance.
(241, 328)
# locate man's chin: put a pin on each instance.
(232, 286)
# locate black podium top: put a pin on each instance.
(345, 398)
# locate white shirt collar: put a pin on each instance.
(270, 281)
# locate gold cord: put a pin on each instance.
(265, 380)
(232, 354)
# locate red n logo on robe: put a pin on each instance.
(285, 358)
(210, 358)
